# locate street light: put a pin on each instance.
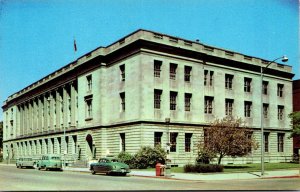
(262, 70)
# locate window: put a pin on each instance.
(208, 78)
(228, 107)
(187, 73)
(122, 141)
(157, 68)
(173, 98)
(247, 108)
(89, 108)
(247, 84)
(122, 97)
(188, 137)
(173, 138)
(228, 81)
(89, 82)
(249, 136)
(265, 87)
(279, 90)
(187, 101)
(157, 98)
(266, 141)
(280, 110)
(280, 142)
(122, 72)
(208, 105)
(265, 110)
(157, 138)
(173, 68)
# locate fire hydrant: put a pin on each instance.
(159, 169)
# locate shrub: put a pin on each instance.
(189, 168)
(203, 168)
(127, 158)
(148, 157)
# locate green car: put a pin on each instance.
(109, 166)
(25, 162)
(50, 162)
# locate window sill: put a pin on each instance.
(88, 118)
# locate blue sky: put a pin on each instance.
(36, 37)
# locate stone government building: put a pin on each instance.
(145, 89)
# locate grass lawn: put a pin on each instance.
(244, 167)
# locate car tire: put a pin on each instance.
(123, 174)
(93, 171)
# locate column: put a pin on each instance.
(45, 124)
(40, 117)
(50, 112)
(65, 107)
(73, 105)
(58, 108)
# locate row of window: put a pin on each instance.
(209, 77)
(280, 142)
(208, 104)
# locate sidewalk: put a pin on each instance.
(201, 176)
(208, 176)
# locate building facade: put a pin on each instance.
(296, 107)
(148, 89)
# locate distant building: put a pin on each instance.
(296, 107)
(148, 88)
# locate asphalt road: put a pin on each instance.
(13, 179)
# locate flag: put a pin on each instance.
(75, 46)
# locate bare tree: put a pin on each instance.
(227, 137)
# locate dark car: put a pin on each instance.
(109, 166)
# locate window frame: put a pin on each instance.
(173, 71)
(208, 105)
(157, 68)
(173, 100)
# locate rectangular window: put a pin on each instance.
(208, 105)
(187, 73)
(188, 137)
(208, 78)
(247, 84)
(280, 113)
(173, 69)
(280, 90)
(228, 107)
(228, 81)
(89, 82)
(157, 98)
(247, 108)
(265, 87)
(157, 68)
(265, 110)
(157, 139)
(122, 72)
(122, 98)
(122, 141)
(266, 141)
(173, 140)
(280, 142)
(173, 98)
(89, 108)
(187, 101)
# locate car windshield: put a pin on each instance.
(55, 158)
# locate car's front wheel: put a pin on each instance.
(93, 171)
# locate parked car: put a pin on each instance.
(109, 166)
(25, 162)
(50, 161)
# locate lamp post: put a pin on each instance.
(262, 70)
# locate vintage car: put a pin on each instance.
(51, 161)
(25, 162)
(110, 166)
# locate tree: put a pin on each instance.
(295, 123)
(227, 137)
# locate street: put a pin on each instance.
(13, 179)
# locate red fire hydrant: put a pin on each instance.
(159, 169)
